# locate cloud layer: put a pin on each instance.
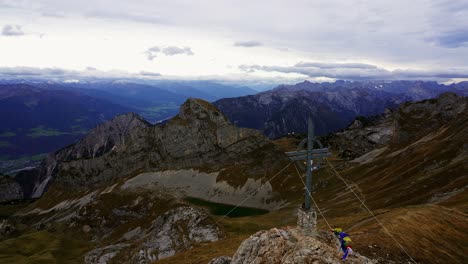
(247, 44)
(357, 71)
(65, 74)
(12, 30)
(153, 52)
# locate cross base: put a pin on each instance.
(307, 222)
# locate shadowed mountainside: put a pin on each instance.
(332, 106)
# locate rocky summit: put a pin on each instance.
(289, 246)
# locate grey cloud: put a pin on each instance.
(173, 50)
(12, 30)
(153, 52)
(53, 15)
(452, 39)
(448, 24)
(357, 71)
(247, 44)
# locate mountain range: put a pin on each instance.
(40, 117)
(127, 189)
(134, 192)
(332, 106)
(55, 114)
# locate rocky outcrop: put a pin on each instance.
(177, 230)
(363, 135)
(6, 229)
(9, 189)
(199, 137)
(278, 246)
(174, 231)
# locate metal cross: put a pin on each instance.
(309, 155)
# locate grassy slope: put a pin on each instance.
(42, 247)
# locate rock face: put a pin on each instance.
(199, 137)
(88, 156)
(174, 231)
(9, 189)
(177, 230)
(290, 246)
(332, 106)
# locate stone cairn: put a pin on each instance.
(307, 222)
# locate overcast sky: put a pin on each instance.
(263, 39)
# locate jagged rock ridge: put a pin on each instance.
(199, 137)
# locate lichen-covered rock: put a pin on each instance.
(290, 246)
